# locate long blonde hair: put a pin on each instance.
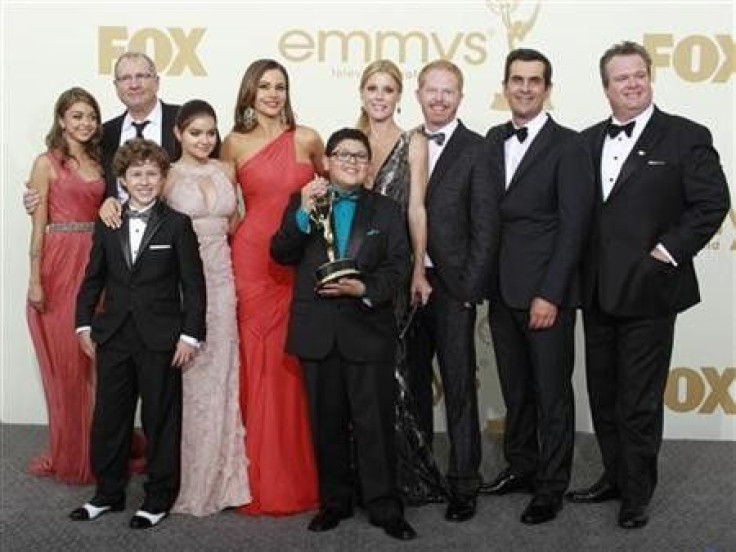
(379, 66)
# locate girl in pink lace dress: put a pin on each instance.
(213, 463)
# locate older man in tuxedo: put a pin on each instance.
(146, 116)
(660, 196)
(461, 229)
(546, 183)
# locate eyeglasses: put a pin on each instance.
(361, 157)
(127, 79)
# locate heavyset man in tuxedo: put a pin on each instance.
(151, 321)
(461, 228)
(545, 180)
(660, 196)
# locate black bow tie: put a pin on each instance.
(139, 128)
(614, 129)
(520, 133)
(140, 215)
(436, 137)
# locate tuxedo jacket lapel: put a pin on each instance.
(597, 153)
(449, 154)
(158, 216)
(124, 239)
(636, 160)
(361, 218)
(539, 145)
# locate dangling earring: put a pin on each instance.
(398, 109)
(249, 118)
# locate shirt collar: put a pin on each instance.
(144, 209)
(154, 117)
(447, 130)
(535, 125)
(641, 119)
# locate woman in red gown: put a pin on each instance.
(273, 158)
(69, 182)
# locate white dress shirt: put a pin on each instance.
(617, 150)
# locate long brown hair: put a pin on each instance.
(249, 88)
(55, 139)
(379, 66)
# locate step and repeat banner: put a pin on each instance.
(202, 50)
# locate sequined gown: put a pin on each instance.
(213, 461)
(419, 480)
(66, 372)
(282, 469)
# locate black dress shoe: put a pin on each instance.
(600, 491)
(397, 528)
(145, 520)
(460, 508)
(541, 508)
(509, 482)
(327, 519)
(89, 512)
(632, 516)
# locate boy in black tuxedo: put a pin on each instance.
(151, 323)
(345, 333)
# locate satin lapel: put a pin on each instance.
(158, 216)
(449, 153)
(640, 152)
(599, 137)
(496, 137)
(541, 143)
(363, 214)
(124, 239)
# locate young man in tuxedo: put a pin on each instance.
(345, 333)
(660, 196)
(462, 220)
(545, 180)
(151, 322)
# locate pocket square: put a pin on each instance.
(655, 162)
(372, 232)
(159, 246)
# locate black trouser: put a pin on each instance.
(126, 369)
(627, 362)
(535, 370)
(446, 326)
(358, 397)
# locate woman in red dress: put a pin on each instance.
(273, 158)
(69, 182)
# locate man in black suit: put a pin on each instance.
(546, 184)
(461, 228)
(146, 116)
(660, 196)
(345, 333)
(151, 322)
